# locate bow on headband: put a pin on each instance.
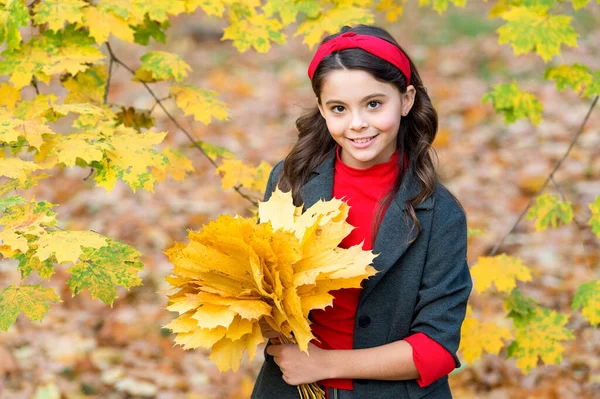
(372, 44)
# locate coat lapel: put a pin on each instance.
(393, 235)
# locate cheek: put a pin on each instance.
(336, 126)
(388, 122)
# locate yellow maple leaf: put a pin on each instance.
(87, 86)
(9, 95)
(477, 337)
(202, 104)
(502, 270)
(102, 23)
(178, 165)
(257, 31)
(233, 171)
(161, 65)
(66, 245)
(129, 159)
(57, 12)
(392, 9)
(17, 168)
(532, 29)
(213, 7)
(346, 13)
(21, 219)
(29, 299)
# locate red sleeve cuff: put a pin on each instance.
(432, 360)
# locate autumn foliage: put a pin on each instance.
(68, 42)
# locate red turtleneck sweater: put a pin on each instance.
(334, 325)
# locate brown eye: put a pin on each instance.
(374, 102)
(334, 107)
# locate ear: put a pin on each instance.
(321, 110)
(408, 99)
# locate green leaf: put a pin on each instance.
(160, 65)
(150, 29)
(532, 29)
(588, 298)
(550, 210)
(13, 14)
(99, 270)
(518, 305)
(593, 89)
(594, 221)
(574, 76)
(514, 103)
(10, 201)
(539, 335)
(29, 262)
(29, 299)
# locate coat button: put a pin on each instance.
(364, 321)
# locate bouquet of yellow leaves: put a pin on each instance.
(236, 272)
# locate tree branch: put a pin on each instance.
(160, 104)
(558, 164)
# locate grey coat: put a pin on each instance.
(420, 287)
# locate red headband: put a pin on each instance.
(374, 45)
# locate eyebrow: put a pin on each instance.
(363, 100)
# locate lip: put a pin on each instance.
(362, 145)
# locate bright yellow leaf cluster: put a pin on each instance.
(477, 337)
(502, 270)
(235, 272)
(234, 171)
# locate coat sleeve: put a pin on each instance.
(432, 360)
(446, 281)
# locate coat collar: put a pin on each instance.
(393, 235)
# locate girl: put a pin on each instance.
(368, 141)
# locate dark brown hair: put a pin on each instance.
(415, 136)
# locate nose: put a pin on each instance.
(358, 122)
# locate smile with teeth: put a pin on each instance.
(364, 140)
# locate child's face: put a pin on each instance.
(350, 114)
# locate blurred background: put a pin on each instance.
(84, 348)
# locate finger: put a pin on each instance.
(273, 350)
(275, 341)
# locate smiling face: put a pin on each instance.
(363, 115)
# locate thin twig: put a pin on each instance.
(558, 164)
(110, 65)
(159, 102)
(156, 103)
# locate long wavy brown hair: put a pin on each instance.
(415, 135)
